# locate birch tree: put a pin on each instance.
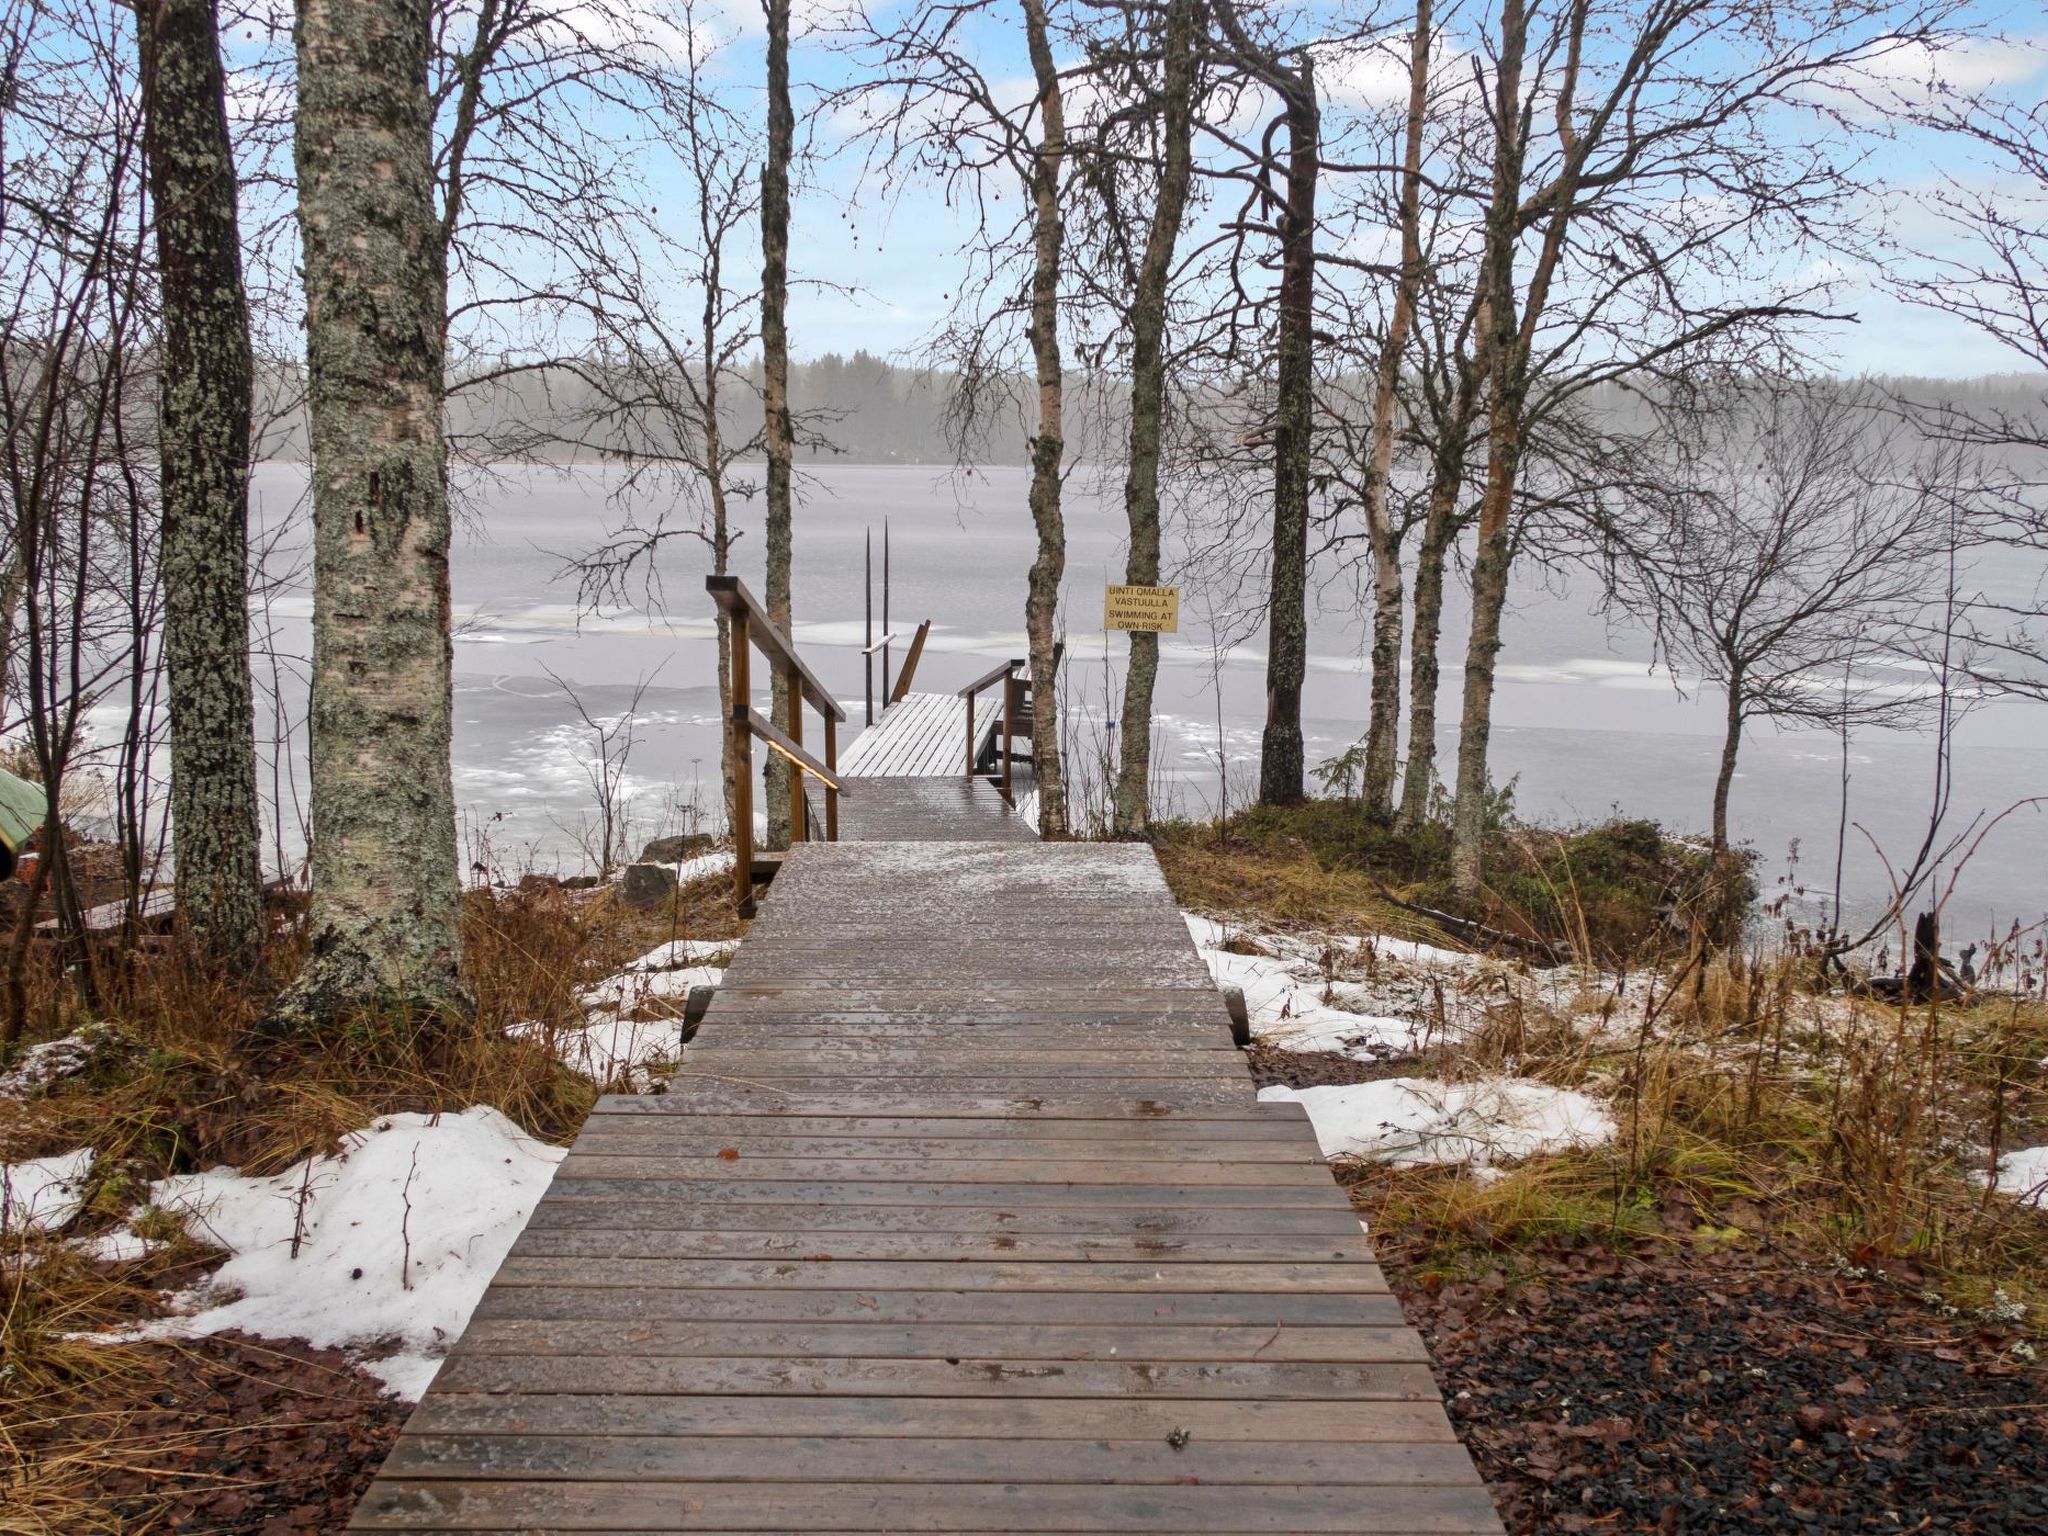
(779, 436)
(1178, 30)
(1595, 267)
(205, 405)
(386, 887)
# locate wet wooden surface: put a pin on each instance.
(923, 736)
(961, 1216)
(899, 809)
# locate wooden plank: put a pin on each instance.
(1161, 1343)
(1268, 1309)
(1123, 1460)
(403, 1504)
(595, 1180)
(702, 1415)
(1262, 1176)
(742, 1147)
(950, 1247)
(470, 1371)
(1334, 1278)
(593, 1214)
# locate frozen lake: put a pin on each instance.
(1582, 725)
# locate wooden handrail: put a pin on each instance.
(752, 631)
(1004, 675)
(994, 677)
(761, 726)
(731, 594)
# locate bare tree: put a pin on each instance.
(76, 461)
(206, 402)
(1623, 280)
(1382, 739)
(1793, 547)
(386, 886)
(1177, 31)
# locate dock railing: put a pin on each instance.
(751, 631)
(1013, 702)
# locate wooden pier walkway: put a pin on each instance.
(961, 1216)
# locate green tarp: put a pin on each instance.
(21, 811)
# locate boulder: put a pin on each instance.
(674, 850)
(647, 886)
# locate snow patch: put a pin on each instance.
(2024, 1175)
(399, 1234)
(1411, 1121)
(1294, 1004)
(43, 1193)
(51, 1061)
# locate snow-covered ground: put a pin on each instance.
(1411, 1121)
(384, 1248)
(2024, 1175)
(43, 1193)
(619, 1044)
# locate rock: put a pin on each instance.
(674, 850)
(530, 884)
(647, 885)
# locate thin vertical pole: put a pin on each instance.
(970, 735)
(1009, 730)
(743, 764)
(832, 789)
(796, 774)
(885, 608)
(867, 655)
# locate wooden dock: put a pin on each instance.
(962, 1215)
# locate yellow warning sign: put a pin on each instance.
(1149, 610)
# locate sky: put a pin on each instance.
(876, 267)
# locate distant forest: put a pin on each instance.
(864, 409)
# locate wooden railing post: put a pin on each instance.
(970, 735)
(796, 779)
(1010, 687)
(832, 789)
(742, 767)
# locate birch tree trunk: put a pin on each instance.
(205, 400)
(1048, 447)
(1503, 457)
(779, 440)
(1131, 808)
(1281, 769)
(1425, 668)
(1382, 736)
(386, 887)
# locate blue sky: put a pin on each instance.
(892, 260)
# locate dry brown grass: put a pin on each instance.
(1281, 881)
(1751, 1109)
(186, 1093)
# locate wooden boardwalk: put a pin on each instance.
(923, 735)
(961, 1216)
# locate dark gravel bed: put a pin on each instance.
(1734, 1394)
(234, 1436)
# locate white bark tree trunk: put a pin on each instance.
(386, 886)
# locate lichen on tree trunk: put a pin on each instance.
(386, 885)
(780, 436)
(1281, 766)
(1131, 807)
(205, 390)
